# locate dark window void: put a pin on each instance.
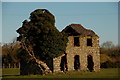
(89, 42)
(76, 41)
(76, 62)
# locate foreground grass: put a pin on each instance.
(104, 73)
(10, 71)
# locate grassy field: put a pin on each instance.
(104, 73)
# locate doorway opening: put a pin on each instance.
(90, 63)
(63, 64)
(76, 62)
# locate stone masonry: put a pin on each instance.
(83, 50)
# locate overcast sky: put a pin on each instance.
(101, 17)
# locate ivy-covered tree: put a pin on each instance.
(40, 40)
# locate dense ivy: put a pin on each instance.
(40, 32)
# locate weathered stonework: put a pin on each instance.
(83, 51)
(56, 63)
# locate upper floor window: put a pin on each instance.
(76, 41)
(89, 42)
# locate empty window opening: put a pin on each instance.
(76, 41)
(89, 42)
(63, 64)
(76, 62)
(90, 63)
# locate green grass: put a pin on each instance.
(104, 73)
(11, 71)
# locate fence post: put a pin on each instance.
(19, 65)
(8, 65)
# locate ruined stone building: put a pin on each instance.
(82, 51)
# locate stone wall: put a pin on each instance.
(56, 64)
(83, 51)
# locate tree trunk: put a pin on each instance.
(33, 63)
